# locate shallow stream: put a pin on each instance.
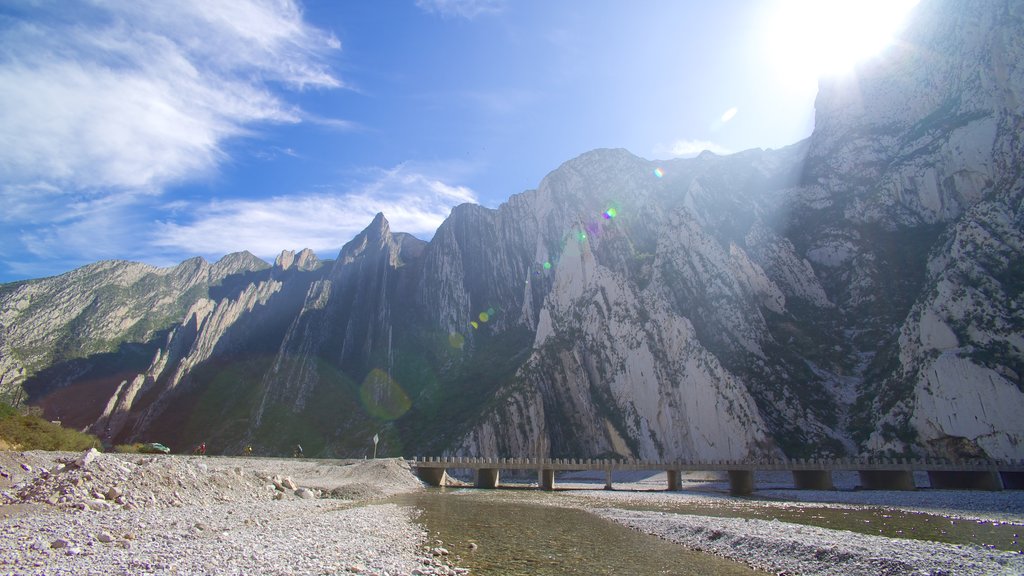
(519, 532)
(528, 538)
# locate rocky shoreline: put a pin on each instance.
(785, 548)
(790, 548)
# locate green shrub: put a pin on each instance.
(28, 432)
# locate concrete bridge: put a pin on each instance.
(874, 473)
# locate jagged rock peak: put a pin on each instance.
(379, 227)
(236, 262)
(305, 260)
(378, 234)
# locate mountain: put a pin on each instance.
(859, 292)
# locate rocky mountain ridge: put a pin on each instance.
(858, 292)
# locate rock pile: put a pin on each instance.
(97, 481)
(128, 514)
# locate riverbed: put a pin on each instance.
(524, 531)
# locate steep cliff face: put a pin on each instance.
(856, 292)
(92, 323)
(918, 230)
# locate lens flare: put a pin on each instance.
(547, 265)
(382, 397)
(610, 213)
(474, 324)
(659, 172)
(456, 340)
(484, 317)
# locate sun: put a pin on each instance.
(809, 39)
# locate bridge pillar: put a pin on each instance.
(675, 480)
(607, 478)
(964, 480)
(432, 476)
(1012, 480)
(887, 479)
(487, 478)
(813, 479)
(547, 479)
(741, 482)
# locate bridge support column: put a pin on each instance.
(675, 480)
(487, 478)
(432, 476)
(887, 479)
(963, 480)
(607, 478)
(1012, 480)
(813, 479)
(741, 482)
(547, 479)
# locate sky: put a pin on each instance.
(161, 130)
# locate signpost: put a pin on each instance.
(376, 438)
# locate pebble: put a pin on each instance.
(785, 548)
(299, 537)
(119, 514)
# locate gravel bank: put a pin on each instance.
(781, 547)
(291, 537)
(789, 548)
(98, 513)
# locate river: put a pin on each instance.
(526, 531)
(528, 535)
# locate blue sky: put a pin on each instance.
(157, 131)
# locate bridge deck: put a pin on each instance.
(847, 464)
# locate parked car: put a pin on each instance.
(154, 448)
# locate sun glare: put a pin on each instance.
(814, 38)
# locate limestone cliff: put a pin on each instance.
(858, 292)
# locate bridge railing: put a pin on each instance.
(765, 464)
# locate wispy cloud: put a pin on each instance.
(688, 148)
(412, 201)
(142, 94)
(105, 104)
(467, 9)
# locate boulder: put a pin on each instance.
(87, 457)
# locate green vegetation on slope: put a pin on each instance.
(20, 431)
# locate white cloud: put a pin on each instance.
(137, 95)
(104, 104)
(467, 9)
(412, 201)
(88, 227)
(688, 148)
